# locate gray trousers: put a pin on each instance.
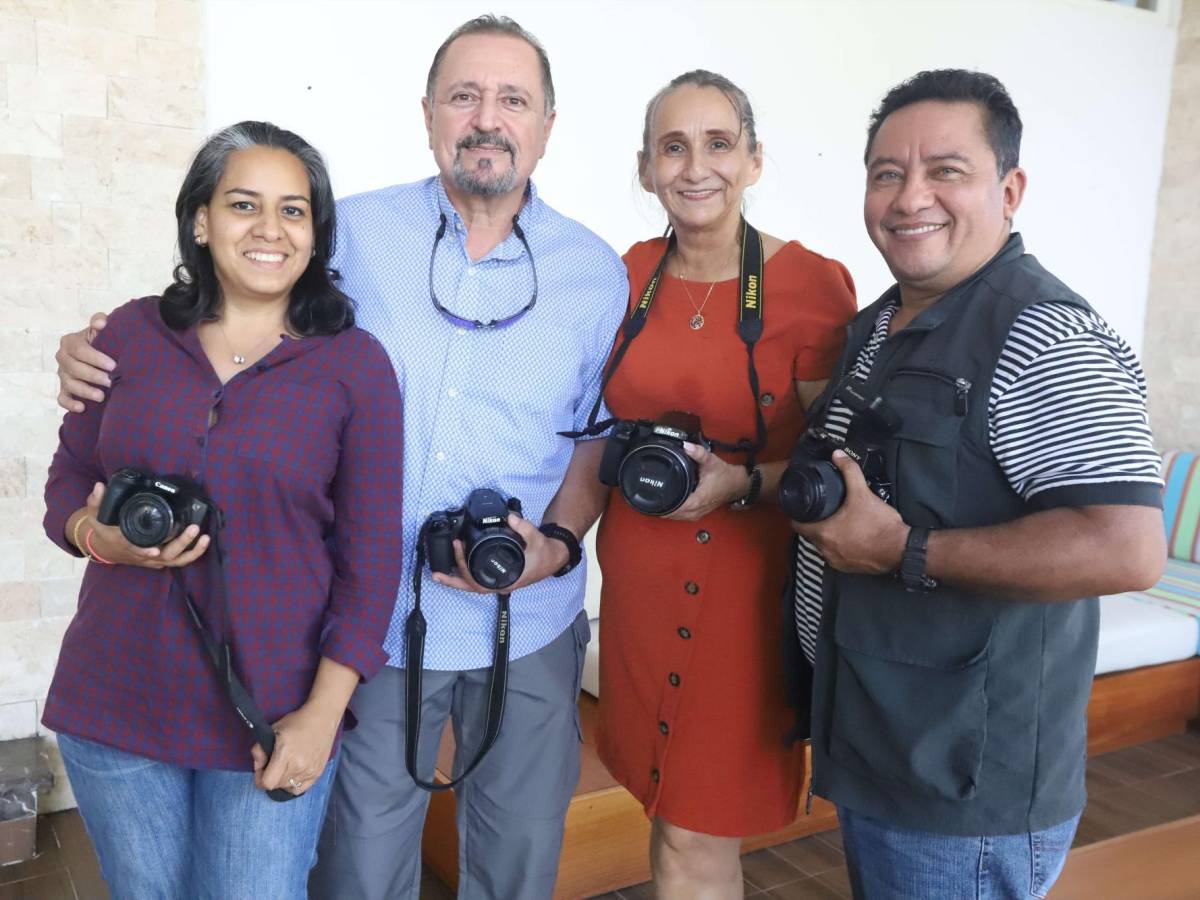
(510, 809)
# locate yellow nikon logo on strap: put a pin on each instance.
(751, 299)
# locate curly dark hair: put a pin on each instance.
(316, 305)
(1002, 122)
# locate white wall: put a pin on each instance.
(1091, 79)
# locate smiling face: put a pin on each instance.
(258, 225)
(487, 122)
(934, 206)
(699, 165)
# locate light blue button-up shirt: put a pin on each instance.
(482, 408)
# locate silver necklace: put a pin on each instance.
(239, 359)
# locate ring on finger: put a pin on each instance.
(295, 784)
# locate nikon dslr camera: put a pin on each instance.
(646, 460)
(495, 553)
(152, 509)
(811, 487)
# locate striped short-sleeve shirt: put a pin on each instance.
(1066, 413)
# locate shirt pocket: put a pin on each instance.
(932, 406)
(294, 432)
(910, 691)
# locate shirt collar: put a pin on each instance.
(509, 248)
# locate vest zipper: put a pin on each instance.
(962, 387)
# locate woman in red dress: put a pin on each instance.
(693, 715)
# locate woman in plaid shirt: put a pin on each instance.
(248, 376)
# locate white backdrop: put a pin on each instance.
(1092, 81)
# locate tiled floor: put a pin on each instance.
(1129, 790)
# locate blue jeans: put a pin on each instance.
(890, 863)
(165, 832)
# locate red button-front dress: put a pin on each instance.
(692, 706)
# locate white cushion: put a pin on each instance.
(1134, 634)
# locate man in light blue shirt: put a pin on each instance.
(427, 263)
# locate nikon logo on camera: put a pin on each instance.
(653, 482)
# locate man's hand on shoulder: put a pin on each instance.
(82, 369)
(865, 536)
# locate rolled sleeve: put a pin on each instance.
(76, 467)
(367, 533)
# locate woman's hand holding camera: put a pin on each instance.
(106, 544)
(720, 484)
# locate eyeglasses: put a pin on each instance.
(475, 323)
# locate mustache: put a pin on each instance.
(481, 139)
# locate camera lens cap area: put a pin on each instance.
(656, 479)
(496, 562)
(147, 520)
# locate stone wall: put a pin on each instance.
(1171, 351)
(101, 107)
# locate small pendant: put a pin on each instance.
(696, 321)
(241, 360)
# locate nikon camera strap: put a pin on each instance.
(749, 328)
(414, 642)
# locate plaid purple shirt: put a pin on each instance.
(302, 453)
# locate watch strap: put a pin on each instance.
(752, 492)
(574, 552)
(913, 563)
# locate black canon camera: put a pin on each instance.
(495, 553)
(153, 509)
(811, 487)
(646, 460)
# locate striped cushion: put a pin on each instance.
(1181, 504)
(1178, 589)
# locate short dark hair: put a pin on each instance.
(490, 24)
(316, 305)
(1002, 122)
(702, 78)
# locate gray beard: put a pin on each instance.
(483, 182)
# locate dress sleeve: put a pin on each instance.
(367, 533)
(830, 304)
(75, 466)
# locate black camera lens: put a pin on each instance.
(811, 491)
(657, 477)
(496, 561)
(147, 520)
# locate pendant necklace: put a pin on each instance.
(239, 359)
(696, 322)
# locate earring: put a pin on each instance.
(200, 242)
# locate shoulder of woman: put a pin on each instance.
(365, 351)
(645, 254)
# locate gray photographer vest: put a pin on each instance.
(949, 711)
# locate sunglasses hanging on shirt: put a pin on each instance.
(473, 324)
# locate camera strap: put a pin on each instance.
(220, 653)
(749, 328)
(414, 642)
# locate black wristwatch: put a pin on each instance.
(912, 563)
(752, 494)
(567, 536)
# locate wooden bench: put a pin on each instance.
(607, 833)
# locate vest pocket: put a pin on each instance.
(925, 464)
(916, 719)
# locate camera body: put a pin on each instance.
(811, 487)
(646, 460)
(152, 510)
(495, 553)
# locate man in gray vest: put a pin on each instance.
(1005, 424)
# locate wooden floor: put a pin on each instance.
(1137, 792)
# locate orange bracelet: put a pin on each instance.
(91, 550)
